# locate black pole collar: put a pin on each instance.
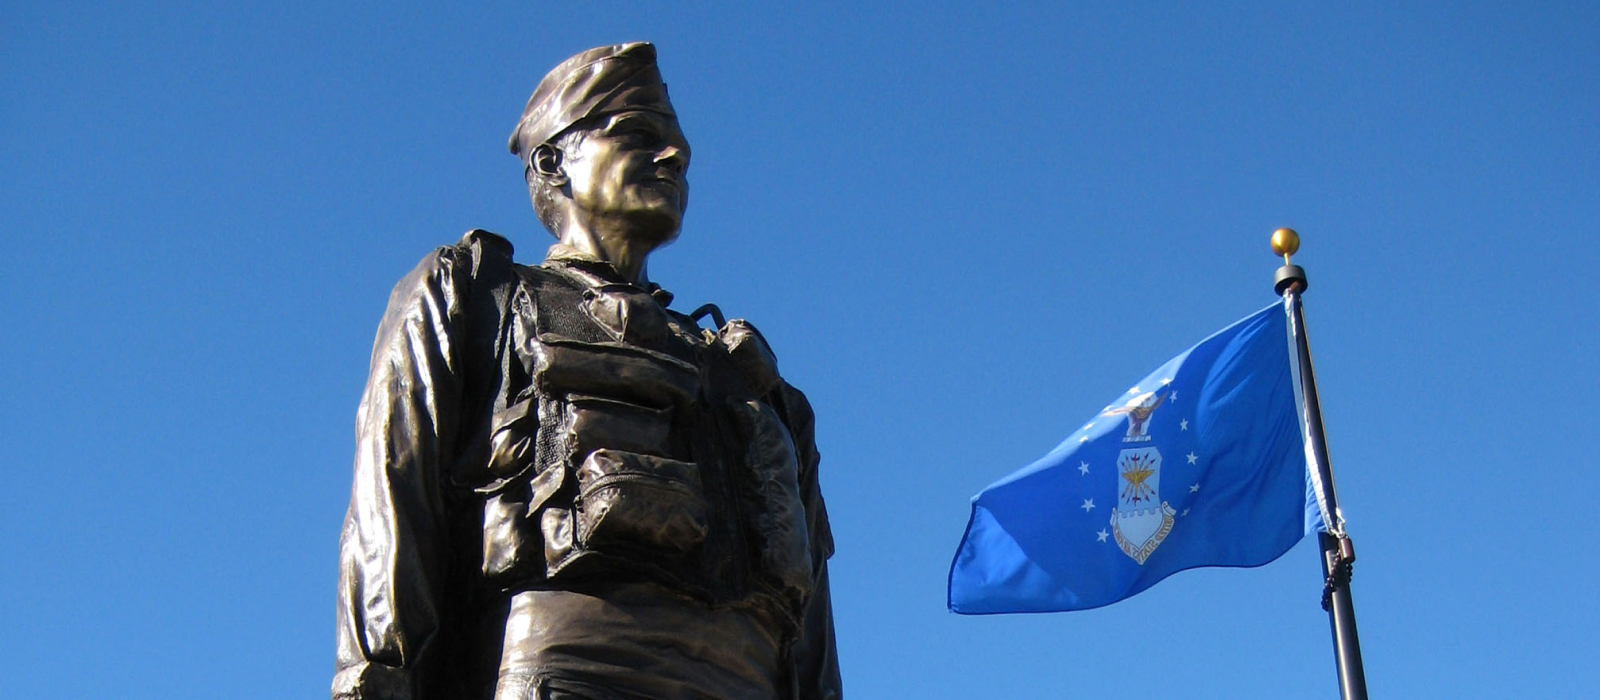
(1287, 275)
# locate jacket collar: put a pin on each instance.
(596, 272)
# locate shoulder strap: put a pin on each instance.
(485, 302)
(490, 254)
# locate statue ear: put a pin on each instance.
(547, 161)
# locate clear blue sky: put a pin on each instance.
(963, 226)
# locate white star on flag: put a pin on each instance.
(1101, 535)
(1194, 489)
(1088, 505)
(1083, 467)
(1183, 424)
(1192, 457)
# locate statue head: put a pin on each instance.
(602, 152)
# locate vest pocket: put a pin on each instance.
(779, 518)
(632, 499)
(507, 516)
(598, 423)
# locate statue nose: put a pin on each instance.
(672, 157)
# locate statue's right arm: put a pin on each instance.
(815, 655)
(390, 560)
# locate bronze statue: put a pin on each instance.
(564, 488)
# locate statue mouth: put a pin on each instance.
(668, 186)
(667, 179)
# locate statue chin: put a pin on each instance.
(655, 227)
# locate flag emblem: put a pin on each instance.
(1139, 523)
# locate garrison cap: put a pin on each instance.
(598, 81)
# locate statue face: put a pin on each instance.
(632, 168)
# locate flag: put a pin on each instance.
(1202, 463)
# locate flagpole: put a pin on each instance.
(1338, 554)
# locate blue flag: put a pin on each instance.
(1201, 464)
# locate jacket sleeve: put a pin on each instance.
(815, 656)
(390, 553)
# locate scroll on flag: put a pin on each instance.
(1203, 463)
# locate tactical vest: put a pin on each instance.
(639, 447)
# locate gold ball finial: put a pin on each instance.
(1285, 242)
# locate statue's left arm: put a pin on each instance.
(815, 657)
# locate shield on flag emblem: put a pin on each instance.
(1141, 520)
